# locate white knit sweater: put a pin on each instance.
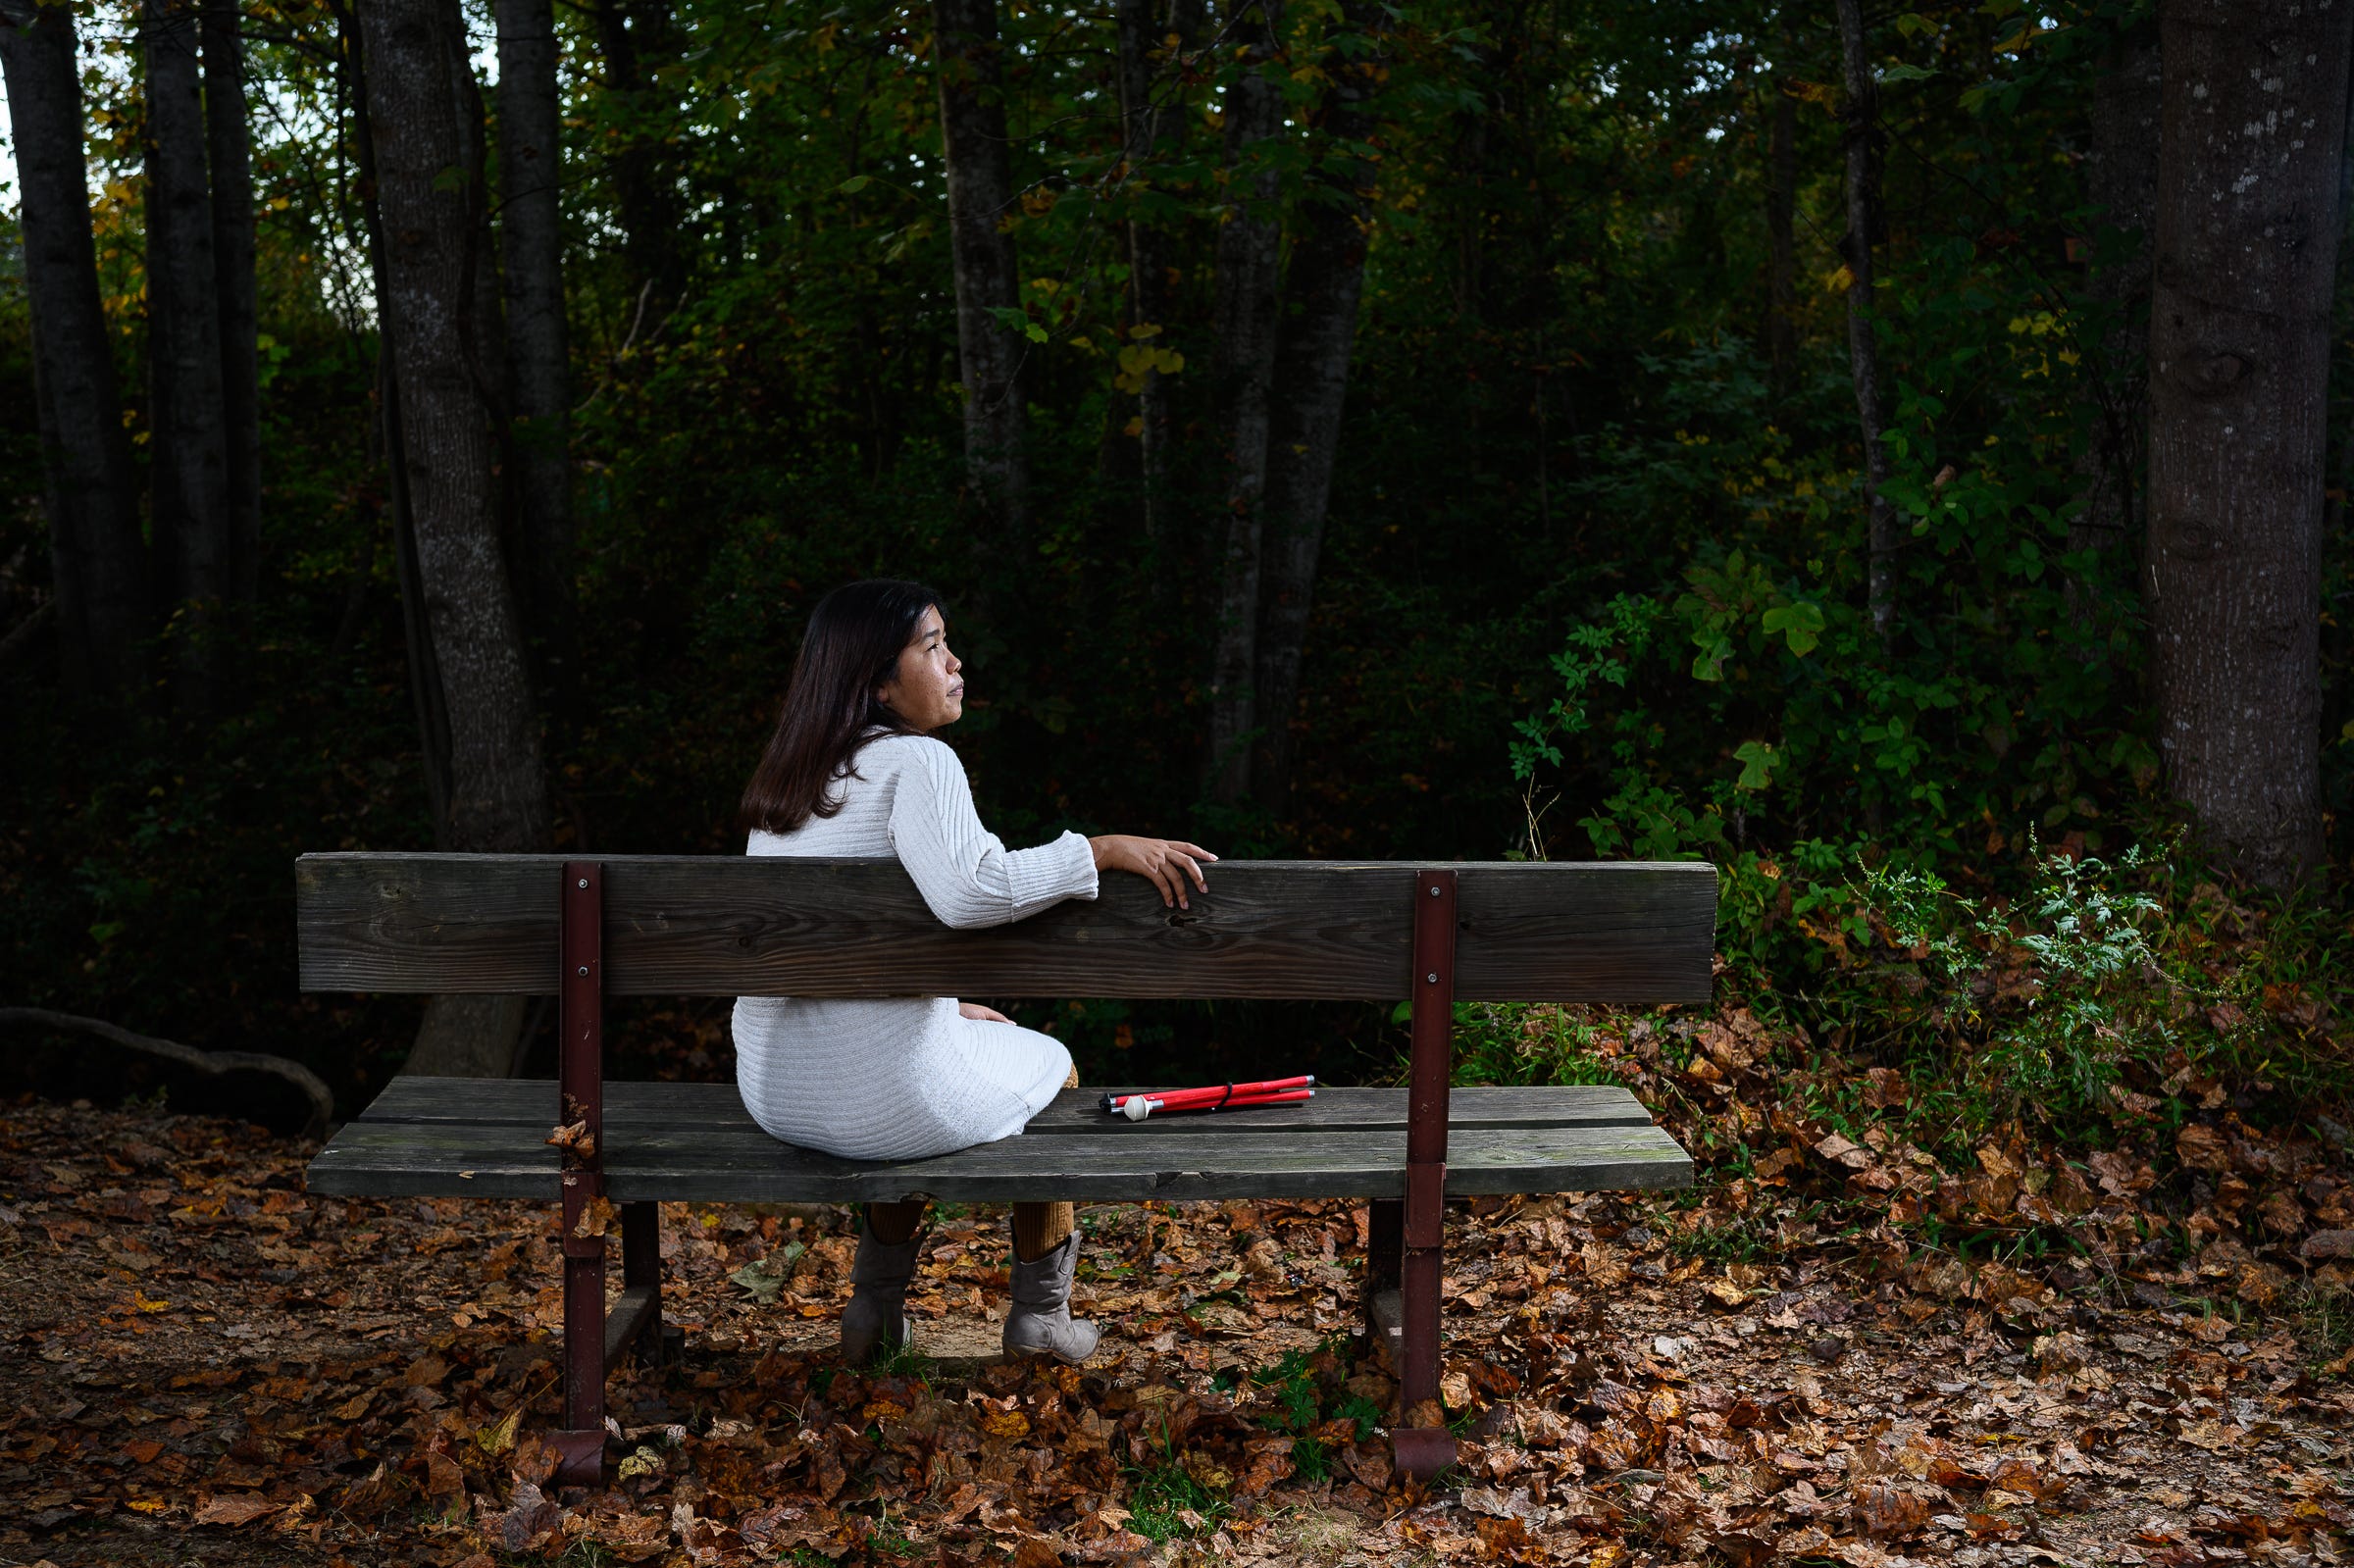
(904, 1079)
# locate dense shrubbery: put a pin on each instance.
(2124, 1073)
(1574, 496)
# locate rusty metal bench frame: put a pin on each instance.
(410, 932)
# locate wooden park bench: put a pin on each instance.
(785, 927)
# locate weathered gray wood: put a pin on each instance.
(407, 1159)
(732, 925)
(686, 1107)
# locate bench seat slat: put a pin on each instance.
(400, 1159)
(532, 1102)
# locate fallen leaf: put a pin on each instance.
(2328, 1244)
(1842, 1151)
(528, 1525)
(2202, 1148)
(1995, 1163)
(233, 1508)
(1007, 1424)
(499, 1437)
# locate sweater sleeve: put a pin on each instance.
(965, 872)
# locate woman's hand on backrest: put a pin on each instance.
(1169, 864)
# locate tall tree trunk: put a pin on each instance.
(230, 143)
(539, 364)
(195, 539)
(1861, 106)
(481, 323)
(1312, 377)
(2120, 179)
(498, 796)
(98, 561)
(2254, 105)
(417, 638)
(1250, 236)
(1781, 213)
(1152, 114)
(634, 39)
(971, 72)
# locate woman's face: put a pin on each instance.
(927, 690)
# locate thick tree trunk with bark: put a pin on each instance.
(538, 363)
(194, 536)
(1861, 104)
(1312, 377)
(634, 39)
(230, 143)
(2254, 107)
(1250, 236)
(481, 320)
(497, 794)
(417, 639)
(98, 561)
(2120, 179)
(968, 65)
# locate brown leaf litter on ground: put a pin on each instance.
(206, 1365)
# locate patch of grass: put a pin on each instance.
(1161, 1494)
(2326, 1327)
(1301, 1405)
(903, 1361)
(1316, 1536)
(894, 1541)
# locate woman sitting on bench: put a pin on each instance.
(853, 770)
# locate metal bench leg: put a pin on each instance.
(1385, 1245)
(637, 1315)
(581, 1442)
(580, 1098)
(1420, 1443)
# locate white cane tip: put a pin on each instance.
(1137, 1108)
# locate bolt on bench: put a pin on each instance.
(709, 925)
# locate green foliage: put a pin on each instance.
(2083, 928)
(1517, 1042)
(1579, 511)
(1162, 1494)
(1173, 1498)
(2099, 996)
(1302, 1394)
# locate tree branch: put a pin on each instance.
(20, 636)
(314, 1088)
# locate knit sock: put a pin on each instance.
(889, 1224)
(1039, 1229)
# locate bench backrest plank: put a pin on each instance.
(720, 926)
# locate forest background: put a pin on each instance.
(1419, 431)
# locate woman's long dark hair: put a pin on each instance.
(851, 646)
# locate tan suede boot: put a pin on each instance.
(1040, 1321)
(877, 1313)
